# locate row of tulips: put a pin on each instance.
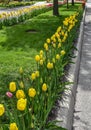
(14, 17)
(16, 3)
(28, 101)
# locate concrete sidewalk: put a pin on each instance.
(82, 110)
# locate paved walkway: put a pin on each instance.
(22, 7)
(82, 111)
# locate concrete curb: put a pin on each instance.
(66, 107)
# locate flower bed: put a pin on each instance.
(15, 4)
(14, 17)
(28, 101)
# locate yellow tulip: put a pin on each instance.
(57, 56)
(44, 87)
(37, 73)
(41, 62)
(21, 104)
(32, 92)
(37, 58)
(59, 45)
(50, 65)
(12, 86)
(46, 46)
(63, 52)
(20, 94)
(48, 40)
(54, 45)
(41, 52)
(13, 126)
(53, 60)
(2, 109)
(33, 76)
(21, 70)
(21, 84)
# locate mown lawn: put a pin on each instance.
(19, 45)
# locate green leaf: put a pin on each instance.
(52, 126)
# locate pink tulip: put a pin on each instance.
(9, 94)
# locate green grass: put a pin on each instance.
(19, 47)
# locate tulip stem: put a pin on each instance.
(23, 123)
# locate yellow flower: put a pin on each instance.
(53, 60)
(54, 40)
(13, 126)
(57, 56)
(33, 76)
(20, 94)
(48, 40)
(2, 109)
(54, 45)
(59, 40)
(50, 65)
(59, 45)
(62, 33)
(21, 84)
(66, 34)
(37, 58)
(57, 35)
(63, 52)
(59, 29)
(41, 80)
(46, 46)
(41, 52)
(44, 87)
(41, 62)
(64, 39)
(32, 125)
(37, 73)
(21, 70)
(12, 86)
(70, 27)
(52, 37)
(21, 104)
(65, 23)
(41, 56)
(32, 92)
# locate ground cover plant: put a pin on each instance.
(32, 96)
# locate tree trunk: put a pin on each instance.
(73, 2)
(67, 4)
(55, 7)
(7, 2)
